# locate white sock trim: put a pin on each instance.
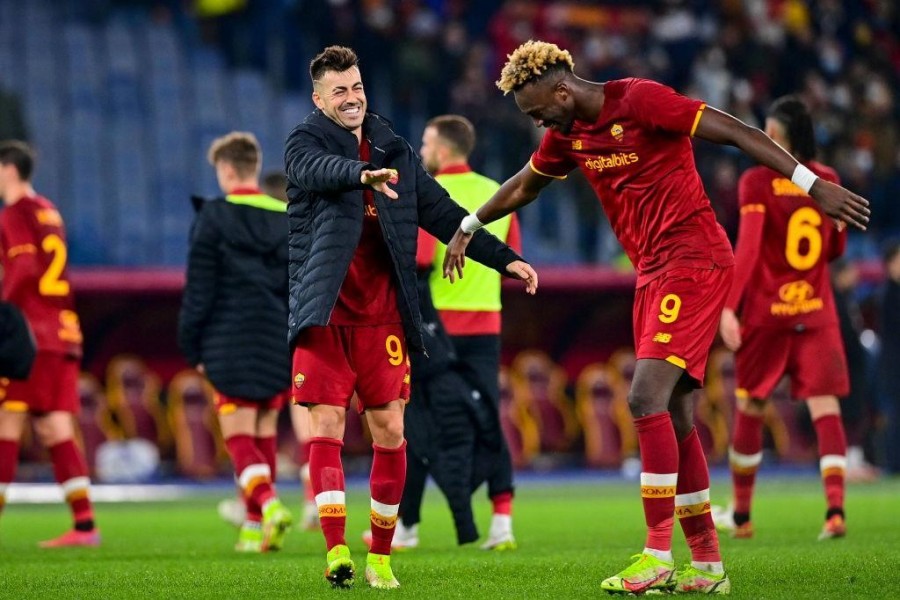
(251, 472)
(331, 497)
(833, 461)
(665, 555)
(659, 479)
(744, 460)
(385, 510)
(692, 498)
(75, 484)
(3, 488)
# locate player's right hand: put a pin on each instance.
(378, 180)
(841, 204)
(455, 257)
(730, 329)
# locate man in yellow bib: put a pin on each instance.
(470, 309)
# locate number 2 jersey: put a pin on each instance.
(34, 257)
(638, 158)
(784, 246)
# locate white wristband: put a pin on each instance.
(470, 224)
(803, 178)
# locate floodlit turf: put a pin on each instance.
(570, 538)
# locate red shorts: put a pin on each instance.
(51, 386)
(226, 405)
(676, 316)
(332, 362)
(813, 358)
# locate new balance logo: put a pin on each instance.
(662, 338)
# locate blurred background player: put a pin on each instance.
(232, 326)
(889, 373)
(470, 309)
(33, 241)
(785, 322)
(631, 139)
(353, 302)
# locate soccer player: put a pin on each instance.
(357, 195)
(631, 139)
(788, 323)
(232, 327)
(35, 279)
(470, 310)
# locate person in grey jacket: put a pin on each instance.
(357, 194)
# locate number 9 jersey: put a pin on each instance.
(784, 246)
(34, 258)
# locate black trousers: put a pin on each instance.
(479, 360)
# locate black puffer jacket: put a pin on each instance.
(234, 309)
(326, 216)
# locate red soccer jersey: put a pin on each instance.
(638, 158)
(33, 241)
(368, 295)
(784, 246)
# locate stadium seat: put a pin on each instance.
(95, 422)
(600, 417)
(199, 449)
(133, 394)
(539, 384)
(518, 425)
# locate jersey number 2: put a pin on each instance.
(804, 225)
(50, 283)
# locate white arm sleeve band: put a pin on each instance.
(803, 178)
(470, 224)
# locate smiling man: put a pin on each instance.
(353, 307)
(631, 139)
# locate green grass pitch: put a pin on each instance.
(570, 537)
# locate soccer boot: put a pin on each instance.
(692, 580)
(378, 572)
(250, 538)
(232, 511)
(646, 574)
(276, 522)
(310, 519)
(74, 538)
(723, 517)
(500, 542)
(340, 569)
(834, 527)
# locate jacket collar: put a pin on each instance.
(375, 127)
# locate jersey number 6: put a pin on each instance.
(804, 225)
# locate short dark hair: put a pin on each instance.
(19, 154)
(240, 149)
(332, 58)
(274, 183)
(457, 131)
(791, 112)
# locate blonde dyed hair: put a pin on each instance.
(530, 61)
(240, 149)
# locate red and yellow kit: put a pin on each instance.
(363, 347)
(34, 258)
(638, 158)
(782, 289)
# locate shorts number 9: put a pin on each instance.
(394, 350)
(669, 308)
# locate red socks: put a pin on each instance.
(659, 475)
(326, 475)
(9, 460)
(832, 460)
(502, 503)
(744, 456)
(253, 472)
(692, 501)
(71, 473)
(386, 483)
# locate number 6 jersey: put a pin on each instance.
(784, 246)
(34, 257)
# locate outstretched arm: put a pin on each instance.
(516, 192)
(837, 202)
